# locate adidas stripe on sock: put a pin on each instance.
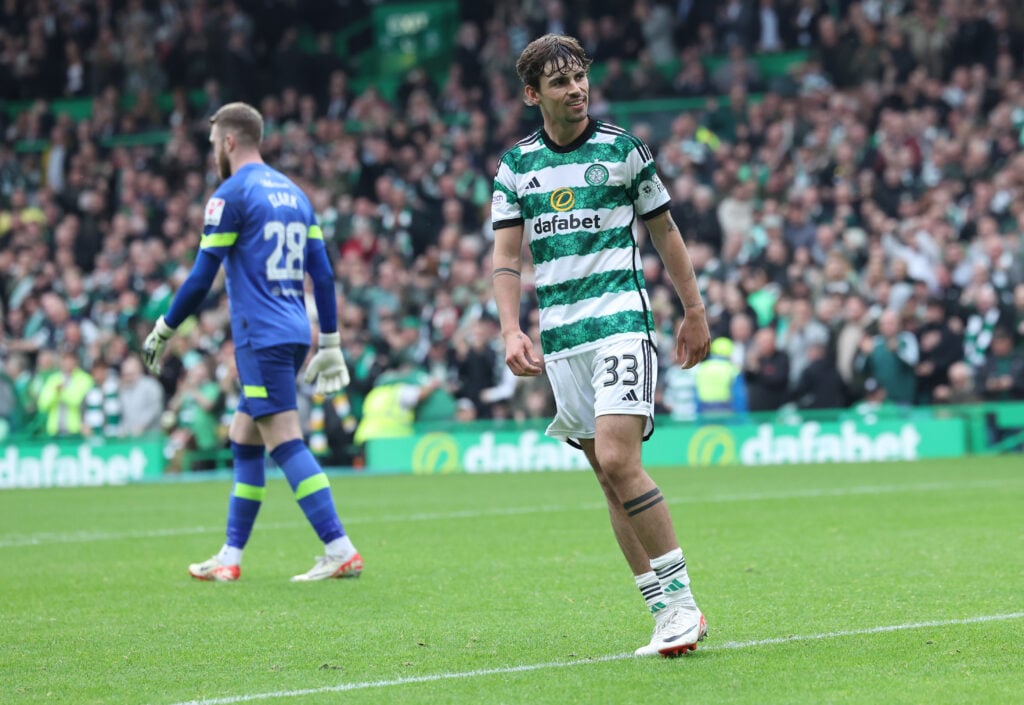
(675, 581)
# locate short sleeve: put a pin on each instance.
(506, 211)
(650, 197)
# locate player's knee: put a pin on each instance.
(617, 467)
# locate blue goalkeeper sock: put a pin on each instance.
(246, 495)
(311, 487)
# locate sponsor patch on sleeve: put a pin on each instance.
(214, 211)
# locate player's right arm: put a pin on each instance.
(507, 270)
(220, 233)
(505, 276)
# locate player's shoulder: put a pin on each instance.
(622, 138)
(264, 177)
(267, 183)
(228, 196)
(514, 154)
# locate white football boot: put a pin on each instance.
(327, 567)
(676, 631)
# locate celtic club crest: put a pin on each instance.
(596, 175)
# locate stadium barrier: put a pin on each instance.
(77, 462)
(862, 434)
(851, 435)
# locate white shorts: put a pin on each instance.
(618, 378)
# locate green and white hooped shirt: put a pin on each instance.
(578, 205)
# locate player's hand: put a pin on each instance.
(519, 355)
(328, 366)
(153, 347)
(693, 339)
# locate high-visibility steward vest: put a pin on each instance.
(64, 402)
(714, 384)
(383, 415)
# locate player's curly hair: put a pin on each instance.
(563, 52)
(242, 120)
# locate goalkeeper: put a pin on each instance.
(261, 227)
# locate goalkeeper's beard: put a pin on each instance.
(223, 165)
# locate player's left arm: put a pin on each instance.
(693, 339)
(651, 200)
(328, 366)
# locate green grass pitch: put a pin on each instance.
(882, 583)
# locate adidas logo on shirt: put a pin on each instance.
(534, 183)
(631, 396)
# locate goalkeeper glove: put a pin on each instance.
(156, 341)
(328, 366)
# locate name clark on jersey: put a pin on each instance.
(283, 198)
(561, 223)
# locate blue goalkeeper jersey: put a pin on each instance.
(263, 229)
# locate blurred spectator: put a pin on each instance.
(142, 399)
(741, 333)
(875, 402)
(766, 372)
(19, 406)
(102, 416)
(532, 399)
(721, 389)
(391, 406)
(62, 397)
(801, 331)
(856, 320)
(987, 314)
(961, 388)
(735, 24)
(332, 427)
(679, 393)
(891, 358)
(192, 416)
(819, 386)
(768, 23)
(10, 404)
(940, 348)
(1001, 377)
(477, 364)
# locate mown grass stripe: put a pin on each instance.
(61, 537)
(525, 668)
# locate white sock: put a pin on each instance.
(340, 548)
(675, 582)
(229, 555)
(650, 588)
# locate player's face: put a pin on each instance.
(220, 152)
(564, 95)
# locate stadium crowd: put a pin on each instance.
(856, 225)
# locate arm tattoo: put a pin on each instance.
(670, 224)
(506, 270)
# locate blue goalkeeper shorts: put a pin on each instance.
(268, 378)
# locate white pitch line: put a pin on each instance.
(525, 668)
(55, 537)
